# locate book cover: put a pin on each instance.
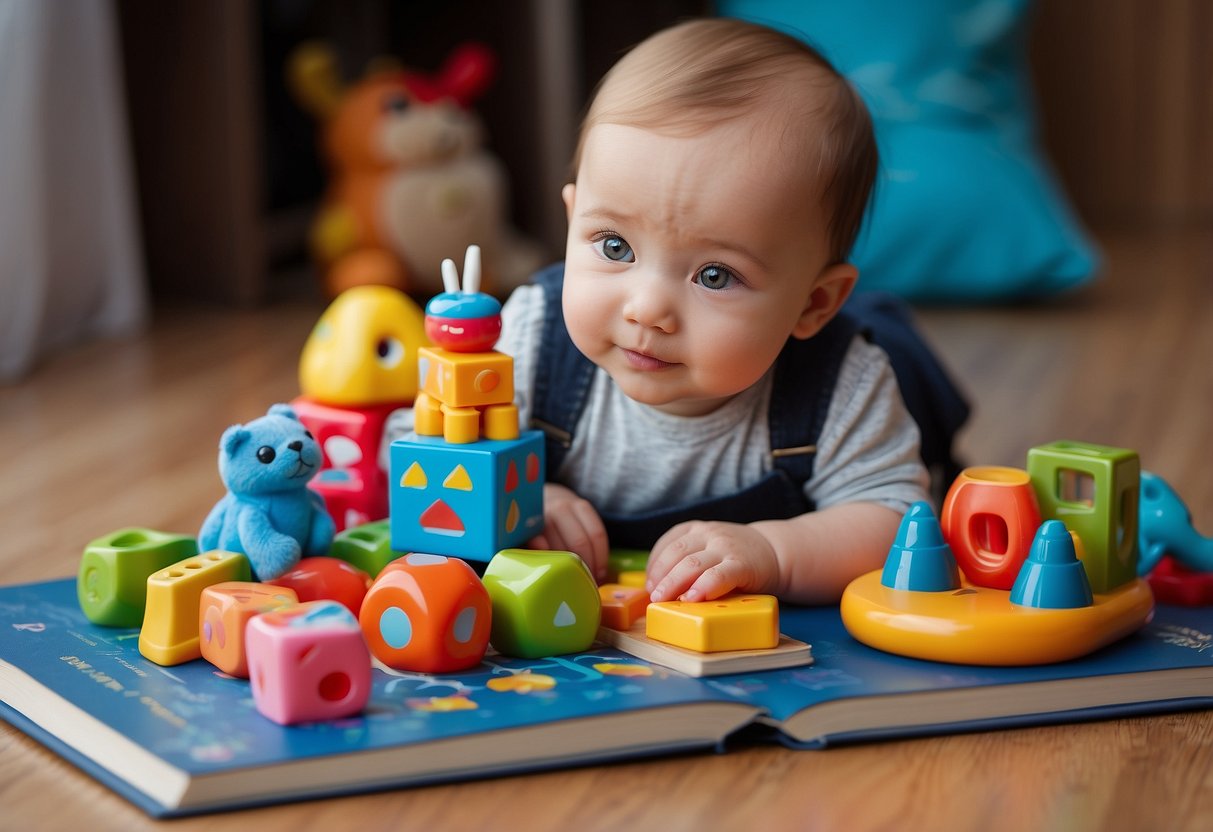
(187, 739)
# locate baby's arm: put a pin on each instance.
(808, 559)
(571, 524)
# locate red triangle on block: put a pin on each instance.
(442, 519)
(511, 477)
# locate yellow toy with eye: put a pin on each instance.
(358, 365)
(363, 350)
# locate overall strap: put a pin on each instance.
(806, 374)
(805, 377)
(930, 395)
(562, 374)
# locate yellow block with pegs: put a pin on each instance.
(174, 594)
(735, 622)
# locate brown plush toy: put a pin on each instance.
(410, 179)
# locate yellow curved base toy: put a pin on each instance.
(979, 625)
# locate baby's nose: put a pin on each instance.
(296, 446)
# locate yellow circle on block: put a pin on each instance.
(487, 381)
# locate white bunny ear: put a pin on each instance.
(450, 276)
(471, 270)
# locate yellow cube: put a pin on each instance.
(467, 379)
(170, 620)
(735, 622)
(632, 577)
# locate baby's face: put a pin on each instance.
(690, 260)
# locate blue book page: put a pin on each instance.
(843, 668)
(200, 720)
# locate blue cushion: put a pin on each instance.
(966, 208)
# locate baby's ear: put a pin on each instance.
(231, 439)
(568, 193)
(831, 289)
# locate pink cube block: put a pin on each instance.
(308, 663)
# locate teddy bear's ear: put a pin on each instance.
(282, 410)
(231, 439)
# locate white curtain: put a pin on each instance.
(70, 261)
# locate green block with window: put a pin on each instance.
(111, 583)
(368, 547)
(1094, 490)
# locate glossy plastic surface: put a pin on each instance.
(363, 349)
(170, 623)
(980, 625)
(989, 518)
(308, 663)
(111, 583)
(735, 622)
(427, 613)
(545, 603)
(223, 614)
(326, 579)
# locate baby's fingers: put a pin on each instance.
(671, 549)
(715, 581)
(682, 576)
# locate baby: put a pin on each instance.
(701, 394)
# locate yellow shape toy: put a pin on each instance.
(632, 577)
(980, 625)
(464, 395)
(170, 621)
(735, 622)
(363, 350)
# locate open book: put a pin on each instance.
(187, 739)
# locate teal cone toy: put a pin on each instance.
(920, 560)
(1052, 577)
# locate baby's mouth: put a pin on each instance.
(645, 362)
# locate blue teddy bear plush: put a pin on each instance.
(269, 513)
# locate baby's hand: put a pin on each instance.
(699, 561)
(571, 524)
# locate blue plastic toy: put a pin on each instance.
(468, 500)
(1165, 528)
(269, 514)
(920, 560)
(1052, 577)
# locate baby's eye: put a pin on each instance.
(715, 278)
(614, 247)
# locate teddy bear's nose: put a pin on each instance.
(296, 446)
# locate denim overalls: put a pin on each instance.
(805, 376)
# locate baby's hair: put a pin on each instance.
(691, 76)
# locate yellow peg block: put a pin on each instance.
(170, 620)
(467, 379)
(735, 622)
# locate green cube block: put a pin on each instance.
(368, 547)
(626, 560)
(544, 603)
(1094, 490)
(112, 582)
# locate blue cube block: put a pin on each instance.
(469, 500)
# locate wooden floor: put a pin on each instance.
(118, 434)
